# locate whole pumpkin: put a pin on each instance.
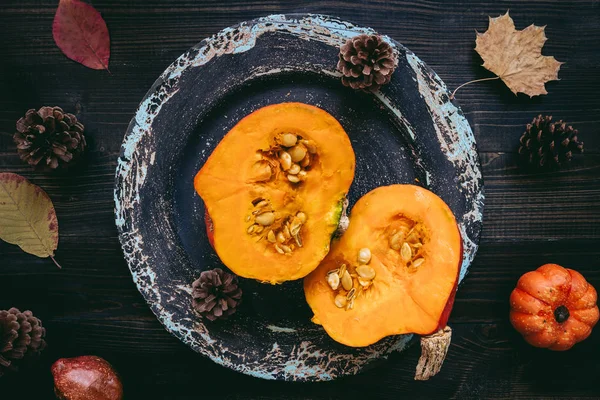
(553, 307)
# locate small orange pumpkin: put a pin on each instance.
(553, 307)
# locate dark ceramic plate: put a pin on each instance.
(409, 130)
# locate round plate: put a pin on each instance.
(408, 132)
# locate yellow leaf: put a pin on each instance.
(516, 56)
(27, 216)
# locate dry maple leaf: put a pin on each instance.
(81, 33)
(516, 56)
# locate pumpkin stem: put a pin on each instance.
(433, 353)
(344, 220)
(561, 314)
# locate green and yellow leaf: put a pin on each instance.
(27, 216)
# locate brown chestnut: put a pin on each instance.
(86, 378)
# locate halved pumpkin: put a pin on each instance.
(393, 271)
(274, 189)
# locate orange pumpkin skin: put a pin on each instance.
(403, 298)
(245, 178)
(210, 229)
(553, 307)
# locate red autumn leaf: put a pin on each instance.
(81, 33)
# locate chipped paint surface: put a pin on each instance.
(304, 360)
(282, 329)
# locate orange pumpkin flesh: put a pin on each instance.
(406, 295)
(554, 307)
(248, 177)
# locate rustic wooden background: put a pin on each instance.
(91, 306)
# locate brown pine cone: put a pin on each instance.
(216, 294)
(366, 62)
(547, 144)
(21, 337)
(49, 137)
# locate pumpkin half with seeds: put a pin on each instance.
(274, 188)
(393, 271)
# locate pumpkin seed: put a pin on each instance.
(257, 200)
(340, 301)
(364, 256)
(346, 281)
(301, 216)
(417, 245)
(286, 232)
(350, 305)
(366, 272)
(262, 204)
(418, 262)
(248, 218)
(285, 159)
(280, 237)
(305, 161)
(406, 252)
(351, 293)
(279, 249)
(258, 229)
(297, 152)
(396, 241)
(265, 219)
(302, 175)
(295, 226)
(285, 248)
(310, 146)
(342, 270)
(262, 171)
(411, 236)
(271, 237)
(294, 169)
(293, 178)
(251, 228)
(333, 280)
(288, 139)
(364, 282)
(333, 271)
(298, 240)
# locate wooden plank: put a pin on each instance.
(92, 305)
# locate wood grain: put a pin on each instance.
(92, 306)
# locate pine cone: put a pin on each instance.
(21, 338)
(216, 294)
(547, 144)
(367, 62)
(49, 137)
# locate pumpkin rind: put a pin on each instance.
(402, 298)
(232, 178)
(537, 297)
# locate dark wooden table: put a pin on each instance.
(91, 306)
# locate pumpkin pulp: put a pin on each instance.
(273, 189)
(408, 284)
